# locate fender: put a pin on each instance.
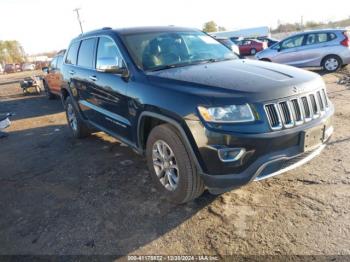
(194, 156)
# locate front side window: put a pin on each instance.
(72, 53)
(108, 50)
(161, 50)
(86, 53)
(292, 42)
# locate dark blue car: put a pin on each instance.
(202, 117)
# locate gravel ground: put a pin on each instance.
(94, 196)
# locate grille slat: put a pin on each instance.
(296, 111)
(314, 104)
(273, 116)
(320, 101)
(325, 97)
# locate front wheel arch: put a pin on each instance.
(167, 120)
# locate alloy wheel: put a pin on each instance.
(165, 165)
(72, 119)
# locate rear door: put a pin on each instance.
(288, 52)
(316, 46)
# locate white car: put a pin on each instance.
(1, 69)
(28, 67)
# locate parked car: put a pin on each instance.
(228, 43)
(12, 68)
(202, 117)
(329, 49)
(268, 40)
(52, 80)
(251, 46)
(1, 69)
(28, 67)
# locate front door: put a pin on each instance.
(288, 51)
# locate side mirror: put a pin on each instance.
(45, 69)
(278, 48)
(111, 65)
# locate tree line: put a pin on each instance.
(211, 26)
(11, 51)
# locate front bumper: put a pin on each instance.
(268, 154)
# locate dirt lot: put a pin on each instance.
(94, 196)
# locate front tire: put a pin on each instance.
(171, 165)
(331, 63)
(75, 123)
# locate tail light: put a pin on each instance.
(346, 41)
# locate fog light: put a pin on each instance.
(230, 154)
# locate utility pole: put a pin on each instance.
(78, 17)
(302, 23)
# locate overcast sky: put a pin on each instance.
(49, 25)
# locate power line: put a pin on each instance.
(78, 17)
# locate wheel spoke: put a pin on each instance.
(164, 164)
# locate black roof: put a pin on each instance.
(135, 30)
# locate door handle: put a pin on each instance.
(71, 72)
(93, 78)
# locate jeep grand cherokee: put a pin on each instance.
(202, 117)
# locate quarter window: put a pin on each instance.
(86, 53)
(72, 53)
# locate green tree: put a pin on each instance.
(210, 26)
(11, 52)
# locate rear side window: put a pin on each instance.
(86, 53)
(72, 53)
(53, 63)
(59, 62)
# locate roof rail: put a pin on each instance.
(106, 28)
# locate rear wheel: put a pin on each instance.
(75, 123)
(171, 165)
(331, 63)
(48, 94)
(265, 60)
(253, 51)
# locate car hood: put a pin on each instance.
(254, 80)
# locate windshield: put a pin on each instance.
(161, 50)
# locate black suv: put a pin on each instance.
(202, 117)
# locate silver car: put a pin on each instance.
(329, 49)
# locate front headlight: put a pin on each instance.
(227, 114)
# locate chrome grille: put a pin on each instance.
(296, 111)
